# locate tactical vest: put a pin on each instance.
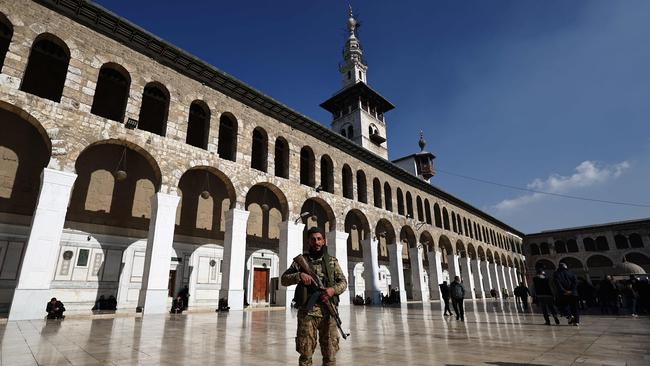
(302, 294)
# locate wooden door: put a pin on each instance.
(260, 284)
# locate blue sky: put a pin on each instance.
(549, 95)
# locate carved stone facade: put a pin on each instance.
(198, 181)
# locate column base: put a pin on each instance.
(155, 301)
(284, 296)
(28, 304)
(236, 298)
(375, 297)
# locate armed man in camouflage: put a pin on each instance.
(316, 322)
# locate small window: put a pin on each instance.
(82, 260)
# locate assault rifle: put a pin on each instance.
(331, 308)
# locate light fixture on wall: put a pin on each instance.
(302, 215)
(120, 171)
(353, 227)
(265, 206)
(205, 194)
(319, 188)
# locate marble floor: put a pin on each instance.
(414, 334)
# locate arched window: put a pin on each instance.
(198, 125)
(388, 197)
(544, 248)
(420, 208)
(260, 150)
(454, 228)
(534, 249)
(154, 109)
(350, 132)
(400, 202)
(445, 218)
(347, 182)
(6, 32)
(227, 144)
(465, 232)
(281, 158)
(111, 92)
(635, 241)
(327, 174)
(572, 246)
(560, 247)
(362, 188)
(307, 169)
(436, 215)
(621, 242)
(343, 133)
(590, 245)
(376, 192)
(409, 205)
(427, 211)
(46, 68)
(601, 243)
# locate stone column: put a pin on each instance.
(453, 268)
(478, 279)
(337, 244)
(435, 274)
(502, 277)
(157, 259)
(487, 280)
(512, 282)
(397, 269)
(468, 279)
(370, 248)
(290, 246)
(494, 273)
(39, 262)
(417, 274)
(234, 258)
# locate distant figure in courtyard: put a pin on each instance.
(177, 305)
(55, 309)
(315, 323)
(631, 296)
(521, 294)
(504, 293)
(184, 293)
(444, 291)
(543, 295)
(494, 294)
(566, 284)
(457, 295)
(100, 304)
(111, 303)
(607, 296)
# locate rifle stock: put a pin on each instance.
(304, 267)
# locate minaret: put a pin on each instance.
(357, 110)
(419, 164)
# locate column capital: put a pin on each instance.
(337, 235)
(58, 177)
(237, 215)
(165, 200)
(291, 226)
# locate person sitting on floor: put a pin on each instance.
(111, 303)
(55, 309)
(177, 305)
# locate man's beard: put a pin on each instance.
(316, 254)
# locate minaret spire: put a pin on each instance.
(353, 69)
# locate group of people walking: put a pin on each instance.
(455, 292)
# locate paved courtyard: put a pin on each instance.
(416, 334)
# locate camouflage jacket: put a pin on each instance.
(292, 277)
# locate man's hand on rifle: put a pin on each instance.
(326, 294)
(305, 279)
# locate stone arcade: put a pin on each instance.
(131, 168)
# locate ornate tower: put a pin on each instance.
(419, 164)
(357, 110)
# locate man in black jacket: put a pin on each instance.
(444, 291)
(55, 309)
(566, 284)
(543, 295)
(457, 292)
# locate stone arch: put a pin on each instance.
(400, 202)
(6, 33)
(621, 241)
(488, 256)
(420, 209)
(544, 265)
(281, 157)
(385, 233)
(47, 67)
(268, 207)
(206, 195)
(637, 258)
(437, 216)
(114, 185)
(111, 92)
(572, 262)
(480, 253)
(560, 246)
(409, 205)
(358, 229)
(460, 249)
(388, 197)
(445, 218)
(471, 251)
(315, 212)
(601, 244)
(598, 261)
(635, 241)
(348, 190)
(376, 192)
(227, 142)
(445, 245)
(427, 211)
(25, 149)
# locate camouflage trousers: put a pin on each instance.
(310, 328)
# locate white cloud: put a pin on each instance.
(588, 173)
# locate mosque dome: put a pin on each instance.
(628, 268)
